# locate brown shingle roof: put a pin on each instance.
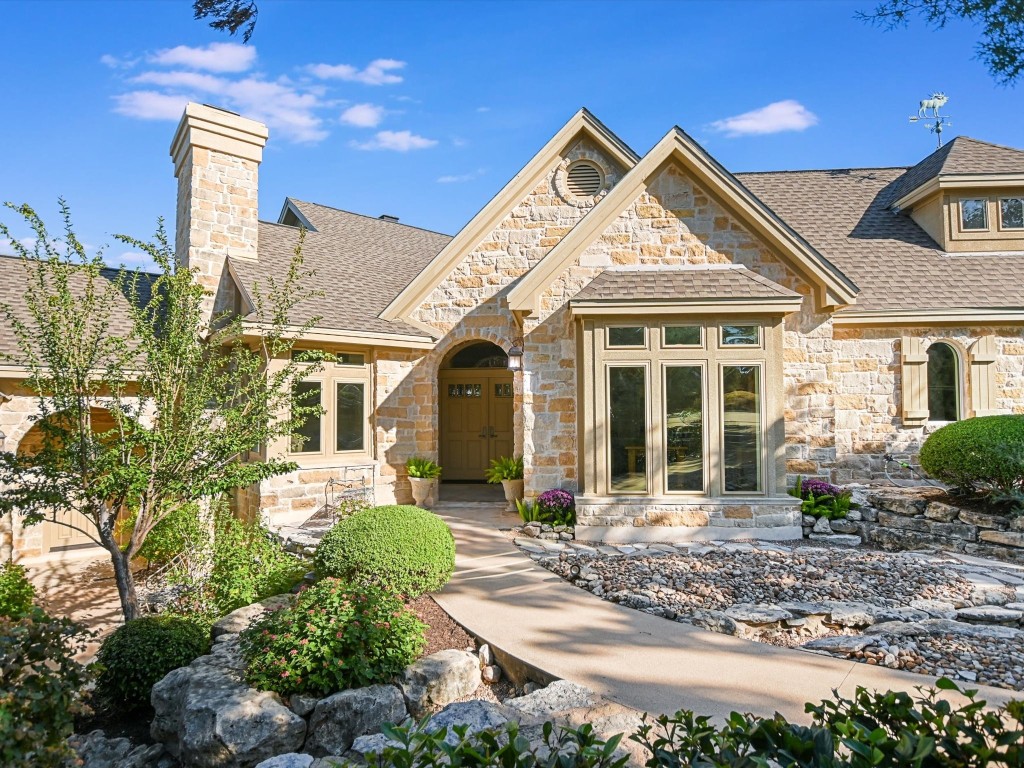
(685, 283)
(361, 264)
(845, 215)
(962, 156)
(14, 281)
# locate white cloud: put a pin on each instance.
(462, 177)
(363, 115)
(150, 105)
(377, 72)
(117, 63)
(399, 141)
(777, 117)
(215, 57)
(194, 81)
(483, 109)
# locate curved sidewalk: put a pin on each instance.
(633, 658)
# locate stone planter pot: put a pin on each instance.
(424, 491)
(513, 492)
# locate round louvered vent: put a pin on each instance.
(584, 179)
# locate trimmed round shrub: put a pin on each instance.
(984, 453)
(16, 591)
(336, 636)
(404, 548)
(141, 652)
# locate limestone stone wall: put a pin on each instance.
(674, 222)
(713, 513)
(217, 214)
(867, 378)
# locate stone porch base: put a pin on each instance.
(622, 519)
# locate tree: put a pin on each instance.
(231, 15)
(1002, 38)
(189, 401)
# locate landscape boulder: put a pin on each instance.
(341, 718)
(559, 696)
(440, 679)
(241, 618)
(208, 717)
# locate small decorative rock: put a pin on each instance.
(486, 655)
(491, 674)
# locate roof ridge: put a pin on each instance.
(988, 143)
(826, 170)
(368, 216)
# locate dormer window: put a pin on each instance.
(1011, 213)
(973, 214)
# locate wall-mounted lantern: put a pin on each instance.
(515, 355)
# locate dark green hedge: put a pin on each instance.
(141, 652)
(404, 548)
(984, 453)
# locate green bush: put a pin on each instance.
(242, 564)
(40, 685)
(498, 747)
(872, 729)
(983, 454)
(16, 591)
(403, 548)
(141, 652)
(181, 530)
(336, 636)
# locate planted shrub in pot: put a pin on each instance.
(423, 475)
(507, 470)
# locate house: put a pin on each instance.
(672, 342)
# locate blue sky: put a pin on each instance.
(424, 109)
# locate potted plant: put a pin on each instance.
(423, 474)
(508, 470)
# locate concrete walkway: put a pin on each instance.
(641, 661)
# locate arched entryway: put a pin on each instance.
(58, 537)
(475, 411)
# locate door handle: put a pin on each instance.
(483, 434)
(492, 432)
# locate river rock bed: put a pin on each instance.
(925, 612)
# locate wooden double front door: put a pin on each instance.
(475, 420)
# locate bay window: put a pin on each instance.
(682, 408)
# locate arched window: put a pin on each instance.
(943, 383)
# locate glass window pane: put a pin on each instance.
(350, 358)
(350, 416)
(740, 335)
(682, 336)
(684, 428)
(972, 214)
(1012, 212)
(627, 336)
(627, 426)
(307, 436)
(741, 425)
(943, 388)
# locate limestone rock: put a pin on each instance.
(339, 719)
(208, 717)
(822, 525)
(851, 615)
(486, 655)
(749, 613)
(372, 744)
(715, 621)
(491, 674)
(95, 750)
(476, 715)
(989, 614)
(440, 679)
(290, 760)
(938, 609)
(839, 644)
(302, 705)
(838, 539)
(559, 696)
(241, 618)
(844, 526)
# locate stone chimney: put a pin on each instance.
(216, 157)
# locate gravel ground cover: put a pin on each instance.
(923, 612)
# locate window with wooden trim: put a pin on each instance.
(942, 381)
(683, 407)
(342, 390)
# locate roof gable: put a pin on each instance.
(963, 157)
(834, 288)
(583, 124)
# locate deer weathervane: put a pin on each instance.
(934, 121)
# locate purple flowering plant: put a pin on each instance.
(557, 507)
(822, 499)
